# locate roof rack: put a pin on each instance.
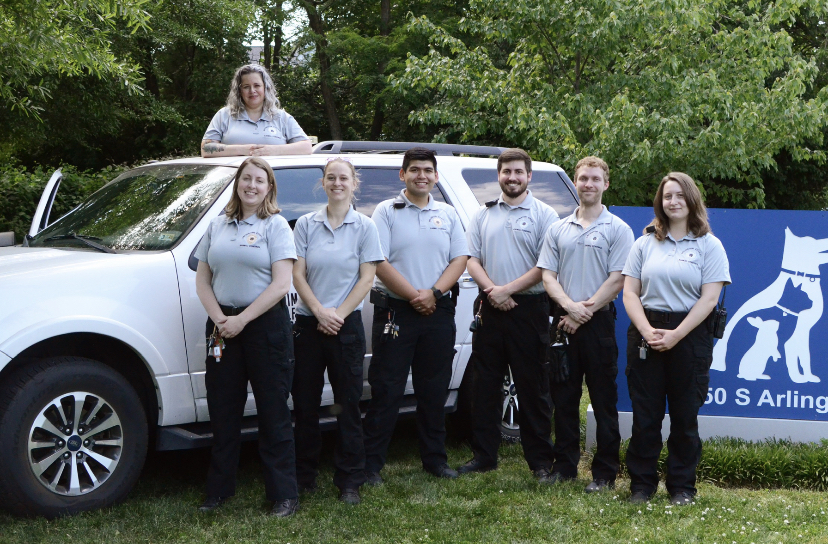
(342, 146)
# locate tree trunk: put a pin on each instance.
(318, 28)
(379, 106)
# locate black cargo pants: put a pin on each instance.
(592, 354)
(681, 377)
(263, 355)
(342, 355)
(425, 345)
(515, 339)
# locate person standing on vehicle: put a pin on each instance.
(338, 249)
(252, 122)
(512, 315)
(674, 275)
(244, 270)
(425, 254)
(582, 259)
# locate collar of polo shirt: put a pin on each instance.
(244, 117)
(429, 206)
(604, 217)
(526, 204)
(688, 236)
(322, 215)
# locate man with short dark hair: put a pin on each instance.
(582, 259)
(425, 254)
(505, 238)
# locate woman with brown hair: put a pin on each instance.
(674, 274)
(244, 271)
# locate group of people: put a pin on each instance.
(528, 264)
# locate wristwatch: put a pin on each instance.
(437, 293)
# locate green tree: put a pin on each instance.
(716, 89)
(68, 37)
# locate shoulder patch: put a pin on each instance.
(650, 229)
(491, 203)
(399, 203)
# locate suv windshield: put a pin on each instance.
(149, 208)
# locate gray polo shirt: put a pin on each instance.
(584, 257)
(508, 239)
(333, 256)
(240, 254)
(673, 272)
(419, 243)
(281, 128)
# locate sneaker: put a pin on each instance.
(599, 485)
(474, 466)
(443, 471)
(682, 498)
(349, 495)
(373, 478)
(285, 508)
(211, 503)
(639, 497)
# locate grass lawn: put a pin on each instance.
(505, 505)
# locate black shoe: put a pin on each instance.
(310, 488)
(639, 497)
(349, 495)
(474, 466)
(285, 508)
(211, 503)
(443, 471)
(682, 498)
(373, 478)
(599, 485)
(543, 476)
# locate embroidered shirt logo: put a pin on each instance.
(523, 223)
(437, 222)
(251, 238)
(690, 255)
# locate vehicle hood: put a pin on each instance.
(36, 262)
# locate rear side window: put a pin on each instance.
(378, 184)
(548, 187)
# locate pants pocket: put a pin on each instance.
(352, 352)
(609, 352)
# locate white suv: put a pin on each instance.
(102, 344)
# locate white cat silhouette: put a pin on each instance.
(752, 366)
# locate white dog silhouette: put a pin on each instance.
(752, 366)
(800, 264)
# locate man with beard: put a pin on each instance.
(505, 239)
(582, 259)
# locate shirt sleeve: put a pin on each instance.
(370, 250)
(300, 236)
(548, 217)
(716, 265)
(204, 244)
(459, 246)
(622, 242)
(293, 132)
(550, 254)
(280, 242)
(632, 268)
(473, 234)
(218, 125)
(380, 218)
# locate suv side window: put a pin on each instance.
(548, 187)
(299, 192)
(378, 184)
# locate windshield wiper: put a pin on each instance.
(88, 240)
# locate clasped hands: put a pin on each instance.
(661, 339)
(577, 313)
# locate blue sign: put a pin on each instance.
(773, 359)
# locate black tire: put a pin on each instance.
(104, 459)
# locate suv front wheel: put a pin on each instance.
(74, 436)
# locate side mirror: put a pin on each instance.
(6, 239)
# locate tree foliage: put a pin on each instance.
(717, 89)
(67, 37)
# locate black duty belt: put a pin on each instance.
(664, 317)
(230, 311)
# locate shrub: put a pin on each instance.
(21, 189)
